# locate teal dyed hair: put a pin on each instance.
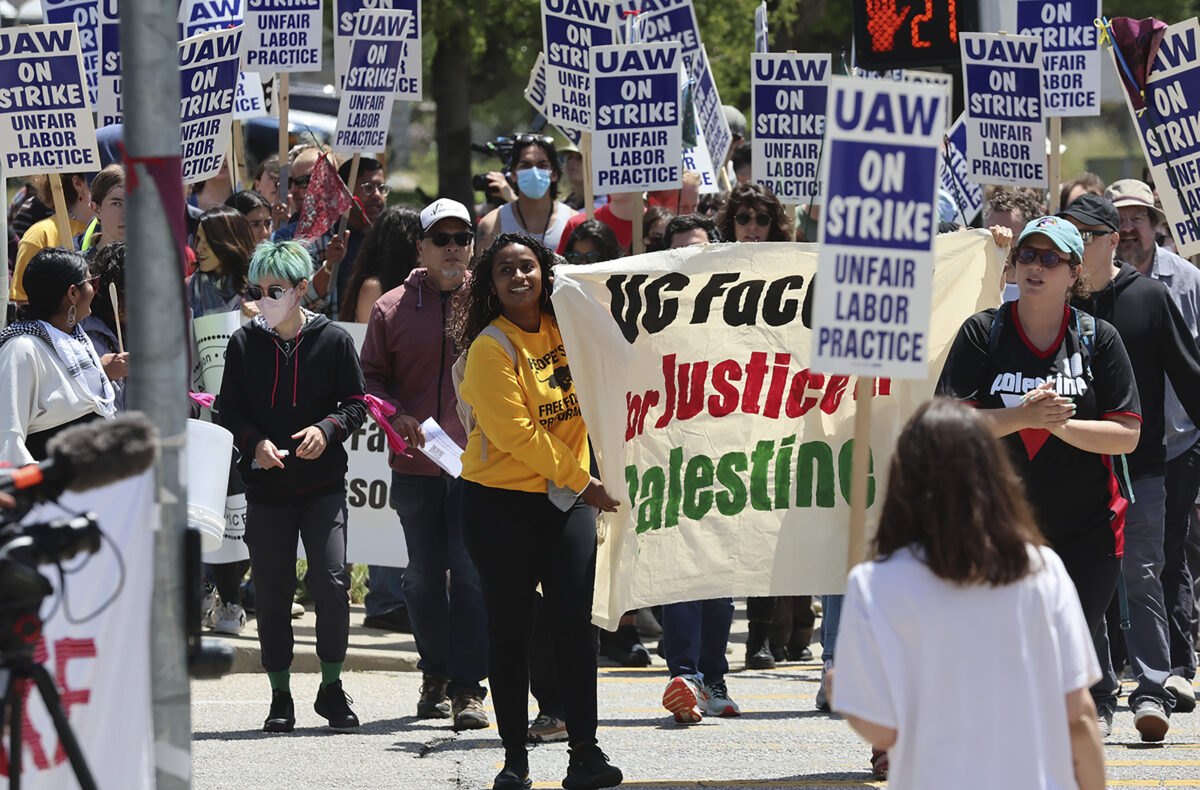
(285, 260)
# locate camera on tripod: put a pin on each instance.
(501, 147)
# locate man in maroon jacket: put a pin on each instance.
(406, 361)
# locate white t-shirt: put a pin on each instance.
(972, 678)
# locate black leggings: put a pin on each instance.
(516, 540)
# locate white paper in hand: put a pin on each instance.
(441, 449)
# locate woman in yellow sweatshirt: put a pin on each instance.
(529, 500)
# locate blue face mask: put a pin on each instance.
(533, 182)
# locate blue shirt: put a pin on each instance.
(1183, 281)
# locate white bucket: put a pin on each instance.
(209, 451)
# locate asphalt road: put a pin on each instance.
(780, 741)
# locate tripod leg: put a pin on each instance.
(65, 735)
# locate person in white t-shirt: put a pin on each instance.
(962, 587)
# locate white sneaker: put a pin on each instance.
(1185, 696)
(1150, 720)
(822, 697)
(231, 619)
(208, 609)
(297, 610)
(719, 703)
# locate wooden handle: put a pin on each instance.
(112, 294)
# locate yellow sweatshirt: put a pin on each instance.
(39, 236)
(529, 414)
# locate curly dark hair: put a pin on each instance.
(109, 266)
(475, 307)
(747, 196)
(389, 252)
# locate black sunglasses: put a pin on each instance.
(1091, 235)
(521, 139)
(255, 292)
(1047, 258)
(744, 217)
(461, 239)
(299, 181)
(583, 257)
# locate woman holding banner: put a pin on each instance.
(961, 587)
(753, 213)
(294, 466)
(1055, 385)
(529, 500)
(50, 376)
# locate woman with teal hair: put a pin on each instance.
(291, 395)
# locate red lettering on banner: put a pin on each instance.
(65, 650)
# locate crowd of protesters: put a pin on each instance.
(453, 301)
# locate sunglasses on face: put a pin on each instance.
(744, 217)
(255, 292)
(583, 257)
(1091, 235)
(1047, 258)
(92, 281)
(460, 239)
(299, 181)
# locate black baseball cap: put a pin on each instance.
(1093, 210)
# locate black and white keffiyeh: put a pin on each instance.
(77, 354)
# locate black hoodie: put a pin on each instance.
(1158, 342)
(273, 388)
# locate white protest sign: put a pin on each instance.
(45, 118)
(85, 15)
(709, 113)
(914, 75)
(408, 86)
(637, 144)
(727, 450)
(762, 41)
(570, 28)
(99, 664)
(535, 94)
(1006, 130)
(283, 35)
(1172, 149)
(208, 75)
(201, 16)
(696, 158)
(212, 333)
(1070, 52)
(109, 109)
(788, 95)
(880, 171)
(968, 195)
(365, 110)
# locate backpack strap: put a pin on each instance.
(994, 330)
(497, 334)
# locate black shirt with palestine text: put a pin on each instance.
(1074, 493)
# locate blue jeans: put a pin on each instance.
(1146, 640)
(831, 616)
(385, 589)
(450, 628)
(695, 634)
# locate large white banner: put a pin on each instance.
(101, 665)
(1172, 143)
(730, 456)
(374, 535)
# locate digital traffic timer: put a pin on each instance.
(890, 34)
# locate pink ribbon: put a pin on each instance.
(381, 410)
(203, 398)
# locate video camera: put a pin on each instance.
(502, 148)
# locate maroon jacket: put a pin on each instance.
(406, 361)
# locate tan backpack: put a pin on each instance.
(466, 414)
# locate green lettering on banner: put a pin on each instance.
(651, 510)
(697, 501)
(674, 486)
(844, 474)
(732, 500)
(759, 462)
(822, 455)
(783, 472)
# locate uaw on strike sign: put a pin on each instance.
(726, 449)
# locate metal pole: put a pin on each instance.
(158, 373)
(3, 259)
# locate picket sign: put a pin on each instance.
(85, 15)
(1070, 53)
(569, 31)
(789, 92)
(209, 65)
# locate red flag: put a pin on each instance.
(326, 199)
(1137, 43)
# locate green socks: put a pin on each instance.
(330, 672)
(281, 680)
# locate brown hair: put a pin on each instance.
(1027, 200)
(106, 181)
(1092, 185)
(474, 307)
(228, 234)
(46, 195)
(746, 195)
(954, 496)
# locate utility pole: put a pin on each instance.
(158, 371)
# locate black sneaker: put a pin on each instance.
(282, 717)
(513, 777)
(334, 704)
(396, 620)
(589, 769)
(433, 704)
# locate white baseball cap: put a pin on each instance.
(444, 208)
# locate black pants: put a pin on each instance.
(227, 578)
(271, 535)
(1095, 577)
(518, 539)
(1183, 480)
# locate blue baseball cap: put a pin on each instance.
(1062, 234)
